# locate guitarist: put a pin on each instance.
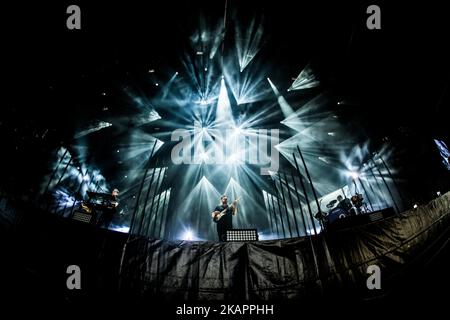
(222, 216)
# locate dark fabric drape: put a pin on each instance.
(37, 248)
(331, 263)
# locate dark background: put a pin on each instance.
(395, 79)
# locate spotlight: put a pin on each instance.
(204, 156)
(331, 134)
(122, 229)
(415, 206)
(118, 151)
(206, 69)
(237, 130)
(267, 236)
(323, 159)
(438, 193)
(354, 175)
(188, 236)
(156, 84)
(233, 159)
(151, 71)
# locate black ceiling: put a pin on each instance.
(53, 77)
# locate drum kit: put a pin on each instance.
(344, 209)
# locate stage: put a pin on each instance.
(244, 154)
(331, 266)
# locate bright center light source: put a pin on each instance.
(188, 236)
(415, 206)
(237, 130)
(204, 156)
(233, 159)
(354, 175)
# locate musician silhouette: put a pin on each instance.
(107, 214)
(345, 204)
(223, 217)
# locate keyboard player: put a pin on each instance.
(106, 215)
(103, 207)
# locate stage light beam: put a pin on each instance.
(249, 41)
(224, 115)
(305, 80)
(284, 105)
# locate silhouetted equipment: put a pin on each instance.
(338, 220)
(100, 200)
(98, 203)
(83, 216)
(242, 235)
(331, 204)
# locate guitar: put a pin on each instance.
(216, 217)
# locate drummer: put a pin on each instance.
(345, 204)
